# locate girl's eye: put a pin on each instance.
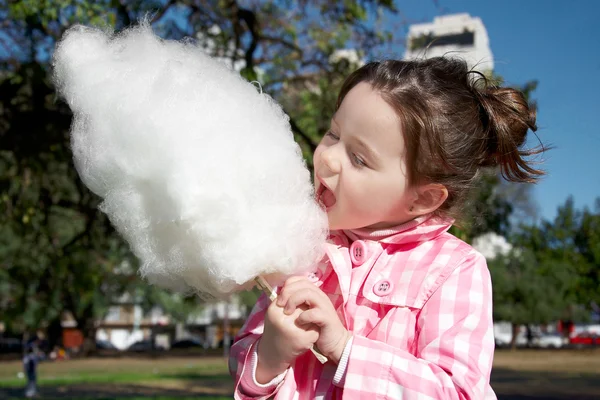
(332, 135)
(356, 160)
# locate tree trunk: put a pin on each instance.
(54, 332)
(87, 326)
(226, 338)
(88, 330)
(515, 333)
(529, 335)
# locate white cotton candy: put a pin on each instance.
(197, 169)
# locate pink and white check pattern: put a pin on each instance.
(428, 336)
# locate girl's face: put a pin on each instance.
(360, 165)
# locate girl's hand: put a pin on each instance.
(298, 293)
(282, 341)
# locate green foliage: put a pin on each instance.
(573, 241)
(553, 272)
(49, 14)
(178, 306)
(487, 209)
(59, 253)
(249, 298)
(121, 371)
(44, 211)
(312, 104)
(528, 291)
(249, 73)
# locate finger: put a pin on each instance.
(303, 289)
(273, 310)
(309, 296)
(276, 316)
(290, 287)
(313, 316)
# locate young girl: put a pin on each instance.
(401, 308)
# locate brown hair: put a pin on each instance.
(454, 121)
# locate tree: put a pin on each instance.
(528, 291)
(58, 252)
(571, 241)
(553, 273)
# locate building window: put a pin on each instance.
(465, 38)
(114, 314)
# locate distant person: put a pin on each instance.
(30, 363)
(401, 308)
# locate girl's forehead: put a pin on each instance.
(364, 105)
(365, 115)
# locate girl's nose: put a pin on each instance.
(331, 160)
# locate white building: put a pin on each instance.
(126, 323)
(458, 35)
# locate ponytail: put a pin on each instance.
(506, 117)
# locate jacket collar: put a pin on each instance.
(420, 229)
(413, 233)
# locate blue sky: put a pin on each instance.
(557, 43)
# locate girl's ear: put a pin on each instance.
(428, 199)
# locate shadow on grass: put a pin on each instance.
(519, 385)
(129, 392)
(216, 387)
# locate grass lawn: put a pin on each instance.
(519, 375)
(125, 377)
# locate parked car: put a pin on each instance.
(503, 340)
(10, 345)
(584, 339)
(105, 345)
(144, 345)
(549, 341)
(187, 344)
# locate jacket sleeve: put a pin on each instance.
(243, 357)
(453, 350)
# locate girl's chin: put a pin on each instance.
(336, 223)
(332, 221)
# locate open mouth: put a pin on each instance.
(325, 197)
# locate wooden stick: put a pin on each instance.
(265, 287)
(268, 290)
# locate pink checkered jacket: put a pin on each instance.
(418, 302)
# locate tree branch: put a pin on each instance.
(123, 13)
(250, 18)
(292, 79)
(80, 235)
(237, 29)
(303, 135)
(284, 42)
